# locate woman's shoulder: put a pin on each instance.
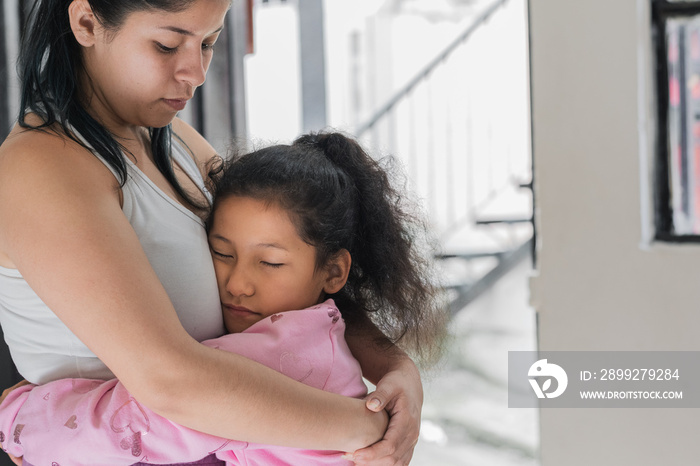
(201, 151)
(32, 152)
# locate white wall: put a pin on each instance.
(600, 285)
(272, 76)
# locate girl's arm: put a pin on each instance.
(86, 422)
(62, 226)
(399, 391)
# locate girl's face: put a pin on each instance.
(145, 72)
(262, 265)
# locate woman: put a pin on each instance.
(103, 254)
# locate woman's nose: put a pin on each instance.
(193, 68)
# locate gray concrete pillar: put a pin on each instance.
(313, 64)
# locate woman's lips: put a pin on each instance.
(177, 104)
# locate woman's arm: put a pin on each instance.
(399, 391)
(62, 226)
(113, 429)
(201, 151)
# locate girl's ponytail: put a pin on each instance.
(374, 219)
(391, 276)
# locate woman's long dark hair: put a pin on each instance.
(341, 198)
(50, 64)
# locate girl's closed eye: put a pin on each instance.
(221, 254)
(274, 265)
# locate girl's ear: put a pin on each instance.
(82, 22)
(337, 271)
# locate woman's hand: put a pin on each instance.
(400, 392)
(7, 391)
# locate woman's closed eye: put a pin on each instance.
(206, 47)
(165, 48)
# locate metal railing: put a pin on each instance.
(461, 128)
(425, 72)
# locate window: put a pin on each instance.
(677, 184)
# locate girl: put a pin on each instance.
(292, 227)
(103, 253)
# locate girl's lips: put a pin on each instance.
(177, 104)
(239, 310)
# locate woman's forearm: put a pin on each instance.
(86, 422)
(89, 423)
(233, 397)
(116, 429)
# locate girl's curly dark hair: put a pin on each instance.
(341, 198)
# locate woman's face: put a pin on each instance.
(145, 72)
(262, 265)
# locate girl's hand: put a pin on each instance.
(400, 392)
(7, 391)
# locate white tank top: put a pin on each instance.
(174, 240)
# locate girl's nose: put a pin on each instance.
(239, 283)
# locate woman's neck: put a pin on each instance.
(130, 135)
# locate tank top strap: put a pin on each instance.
(85, 143)
(183, 157)
(178, 153)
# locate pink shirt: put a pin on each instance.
(84, 422)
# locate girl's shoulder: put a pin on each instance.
(199, 149)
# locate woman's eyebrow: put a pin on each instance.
(185, 32)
